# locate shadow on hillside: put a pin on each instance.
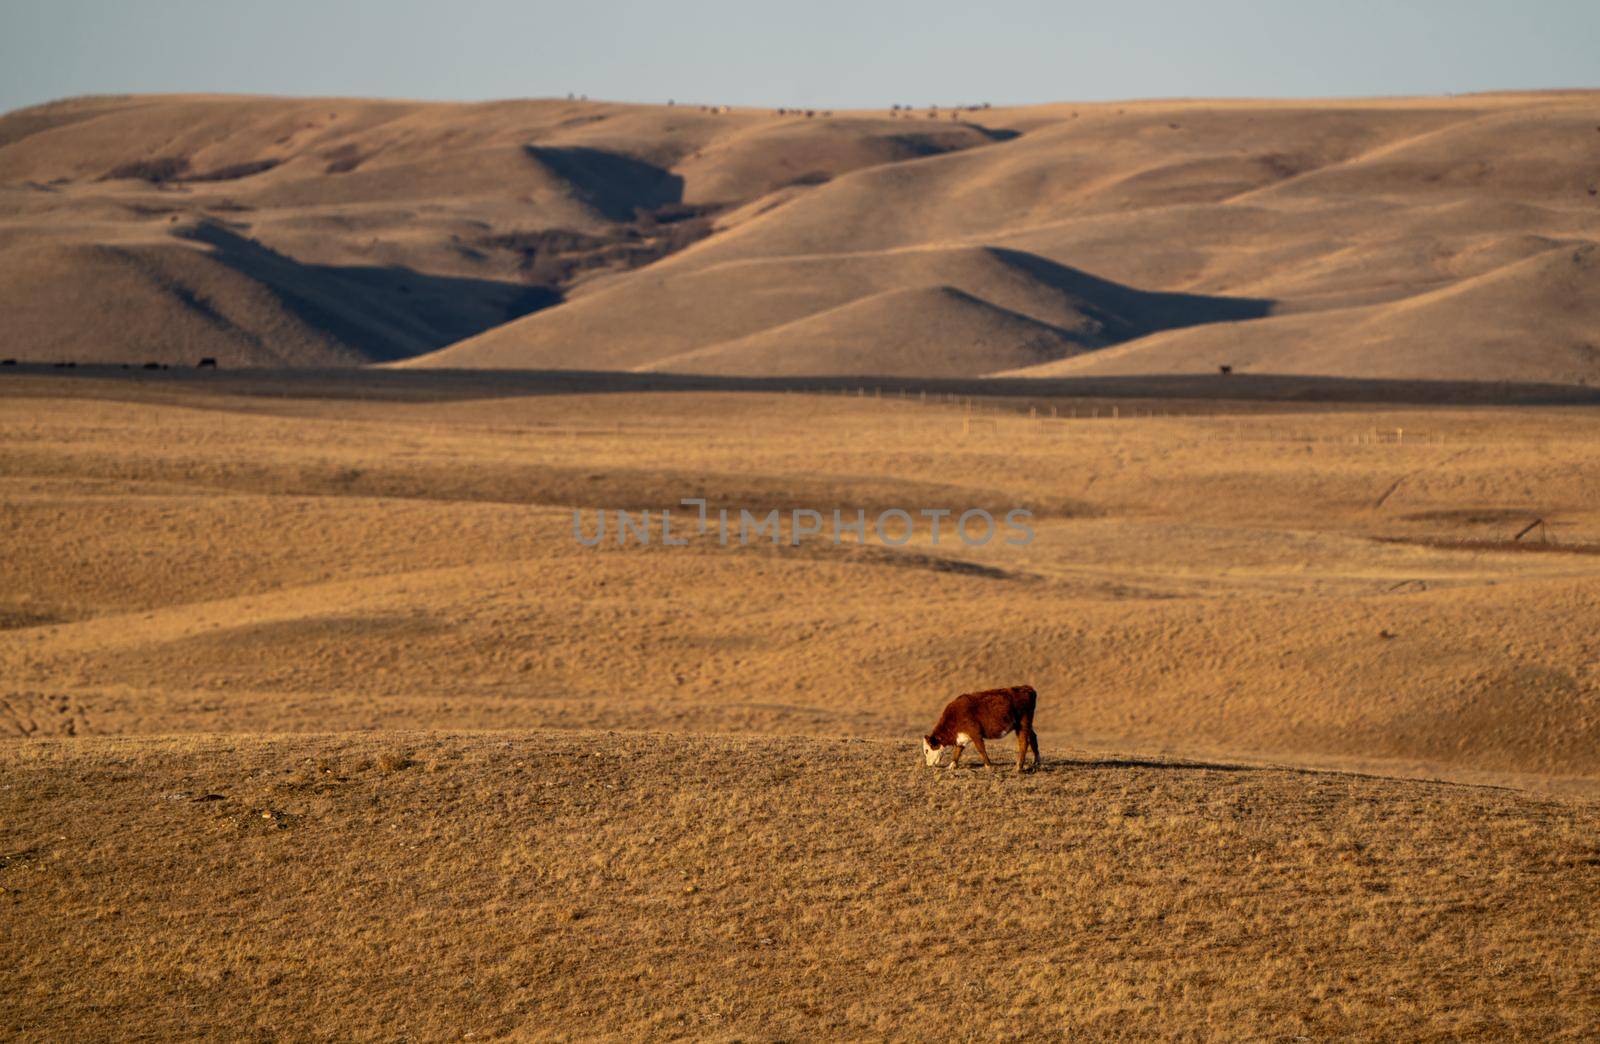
(1125, 313)
(995, 133)
(615, 185)
(381, 313)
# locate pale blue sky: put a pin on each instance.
(820, 52)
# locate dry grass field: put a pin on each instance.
(323, 725)
(593, 885)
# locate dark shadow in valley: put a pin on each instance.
(995, 133)
(380, 313)
(1124, 313)
(617, 186)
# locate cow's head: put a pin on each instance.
(931, 752)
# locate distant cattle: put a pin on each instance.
(976, 716)
(1224, 369)
(152, 366)
(208, 363)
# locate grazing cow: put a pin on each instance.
(208, 363)
(1224, 369)
(977, 716)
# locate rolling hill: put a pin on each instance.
(1536, 315)
(1426, 237)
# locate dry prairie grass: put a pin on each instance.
(213, 563)
(625, 886)
(311, 699)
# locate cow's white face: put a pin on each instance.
(930, 753)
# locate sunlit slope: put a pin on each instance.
(1537, 315)
(579, 235)
(1266, 210)
(932, 312)
(928, 331)
(265, 231)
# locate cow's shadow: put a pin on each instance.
(1064, 764)
(1051, 766)
(1054, 766)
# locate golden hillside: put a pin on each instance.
(280, 232)
(1428, 237)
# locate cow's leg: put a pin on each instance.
(1024, 732)
(977, 741)
(959, 749)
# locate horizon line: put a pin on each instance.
(583, 99)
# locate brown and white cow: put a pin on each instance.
(977, 716)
